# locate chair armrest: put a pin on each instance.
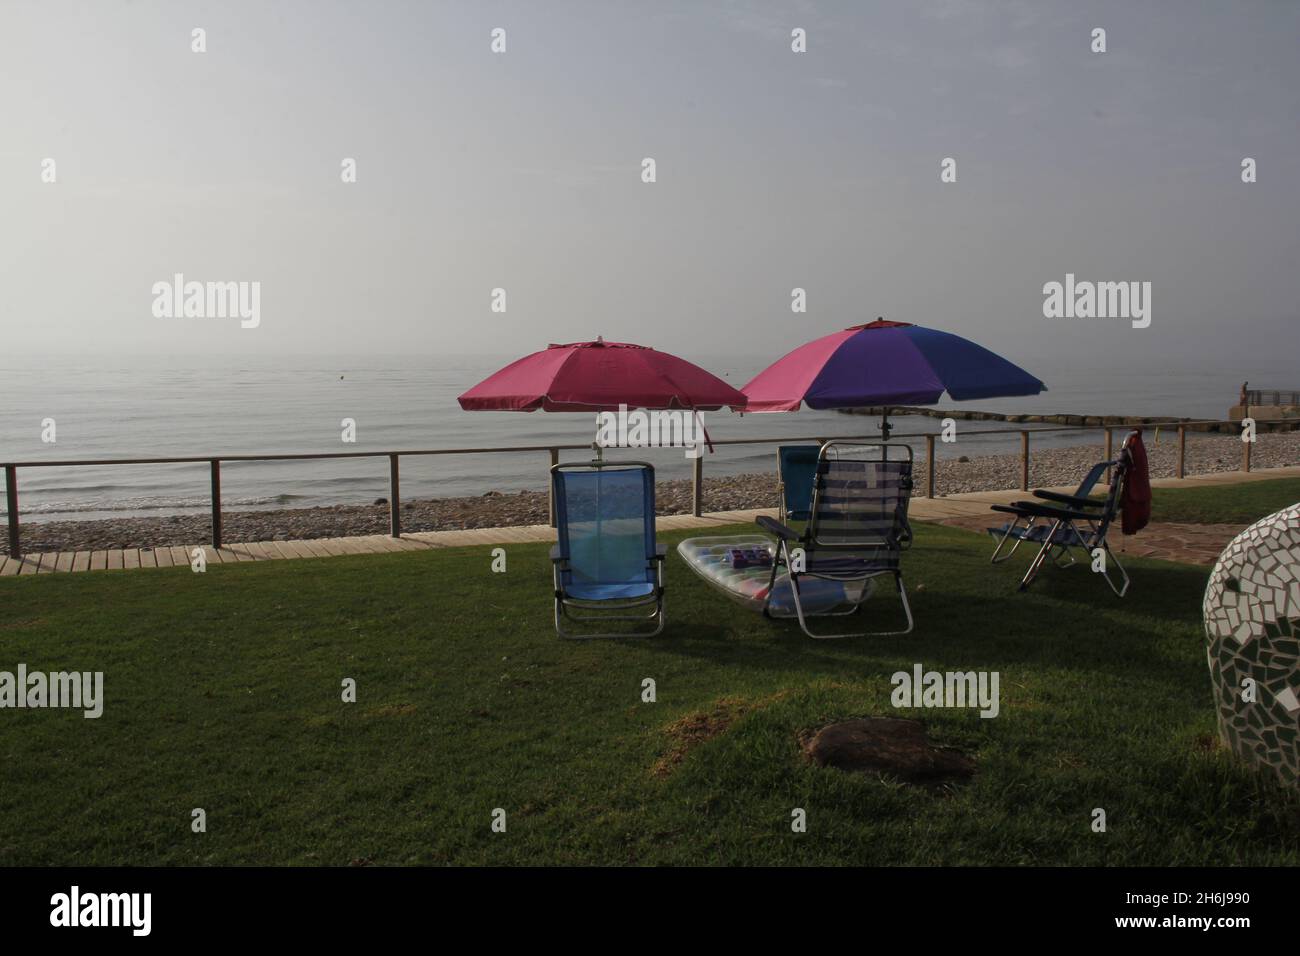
(778, 529)
(661, 551)
(1071, 500)
(1027, 509)
(555, 553)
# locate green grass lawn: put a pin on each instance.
(1224, 504)
(223, 692)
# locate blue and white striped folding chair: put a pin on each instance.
(857, 531)
(607, 565)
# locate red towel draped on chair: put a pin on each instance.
(1136, 504)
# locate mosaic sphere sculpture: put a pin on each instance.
(1252, 630)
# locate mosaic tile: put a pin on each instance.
(1252, 631)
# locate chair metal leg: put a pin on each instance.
(563, 613)
(1039, 558)
(1067, 549)
(803, 621)
(1003, 540)
(782, 555)
(1110, 557)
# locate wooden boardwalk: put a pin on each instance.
(922, 509)
(51, 562)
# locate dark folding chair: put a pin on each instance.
(1034, 527)
(1060, 523)
(797, 469)
(607, 565)
(857, 529)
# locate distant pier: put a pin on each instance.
(1266, 404)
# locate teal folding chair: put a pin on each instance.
(797, 470)
(607, 566)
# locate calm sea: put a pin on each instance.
(176, 407)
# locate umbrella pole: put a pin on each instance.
(884, 424)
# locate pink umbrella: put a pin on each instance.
(600, 376)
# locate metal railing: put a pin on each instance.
(553, 451)
(1272, 396)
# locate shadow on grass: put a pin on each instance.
(969, 614)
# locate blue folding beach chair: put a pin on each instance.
(1029, 525)
(857, 530)
(607, 564)
(797, 469)
(1060, 523)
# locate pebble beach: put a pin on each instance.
(1059, 466)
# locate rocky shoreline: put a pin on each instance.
(1059, 466)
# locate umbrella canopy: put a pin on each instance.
(599, 377)
(885, 363)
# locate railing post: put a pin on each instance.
(1182, 450)
(11, 502)
(1024, 461)
(216, 503)
(394, 499)
(929, 466)
(550, 487)
(697, 485)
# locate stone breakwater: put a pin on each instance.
(1047, 467)
(1077, 421)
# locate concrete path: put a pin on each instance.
(1197, 544)
(1170, 541)
(1184, 543)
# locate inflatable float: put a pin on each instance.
(741, 567)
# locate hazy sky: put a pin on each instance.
(775, 169)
